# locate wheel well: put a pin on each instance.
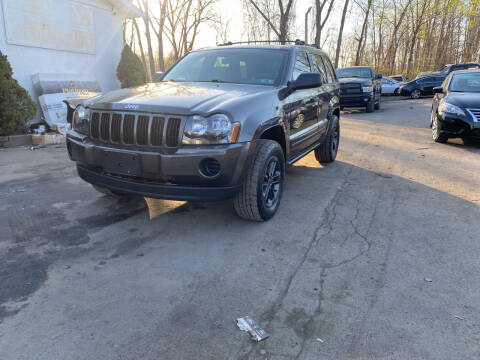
(276, 134)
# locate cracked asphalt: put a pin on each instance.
(376, 255)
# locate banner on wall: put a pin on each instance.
(52, 24)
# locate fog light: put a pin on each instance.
(210, 167)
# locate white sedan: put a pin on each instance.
(390, 86)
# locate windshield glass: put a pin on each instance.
(240, 66)
(467, 82)
(355, 72)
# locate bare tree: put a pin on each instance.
(363, 34)
(319, 23)
(285, 12)
(340, 33)
(183, 20)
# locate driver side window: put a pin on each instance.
(302, 65)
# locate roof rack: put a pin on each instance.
(295, 42)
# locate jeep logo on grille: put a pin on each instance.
(131, 107)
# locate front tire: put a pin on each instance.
(262, 188)
(437, 134)
(327, 151)
(370, 106)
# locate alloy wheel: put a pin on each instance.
(434, 126)
(335, 138)
(272, 182)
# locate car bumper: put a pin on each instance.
(405, 92)
(457, 126)
(166, 174)
(355, 100)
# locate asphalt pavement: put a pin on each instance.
(375, 256)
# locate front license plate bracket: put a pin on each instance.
(121, 163)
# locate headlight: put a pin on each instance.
(81, 120)
(367, 89)
(215, 129)
(449, 108)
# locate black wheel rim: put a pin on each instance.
(272, 183)
(335, 138)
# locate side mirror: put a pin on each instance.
(304, 81)
(438, 90)
(307, 81)
(378, 76)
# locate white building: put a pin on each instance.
(64, 37)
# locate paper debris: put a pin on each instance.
(247, 324)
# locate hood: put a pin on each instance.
(354, 80)
(177, 98)
(464, 100)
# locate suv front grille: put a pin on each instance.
(475, 113)
(350, 88)
(135, 129)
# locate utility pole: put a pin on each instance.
(306, 24)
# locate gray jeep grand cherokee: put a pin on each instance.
(223, 123)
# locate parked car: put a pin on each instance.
(456, 107)
(420, 87)
(399, 78)
(360, 86)
(447, 69)
(390, 86)
(223, 123)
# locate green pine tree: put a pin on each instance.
(16, 105)
(130, 70)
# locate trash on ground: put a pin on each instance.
(320, 340)
(247, 324)
(459, 317)
(35, 147)
(428, 280)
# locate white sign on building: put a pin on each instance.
(51, 24)
(66, 42)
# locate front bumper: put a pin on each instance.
(355, 100)
(459, 126)
(173, 174)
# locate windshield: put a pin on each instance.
(355, 72)
(240, 66)
(467, 82)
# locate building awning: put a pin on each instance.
(126, 8)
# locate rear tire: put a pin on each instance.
(262, 188)
(416, 94)
(470, 142)
(327, 151)
(377, 105)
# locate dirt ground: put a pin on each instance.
(375, 256)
